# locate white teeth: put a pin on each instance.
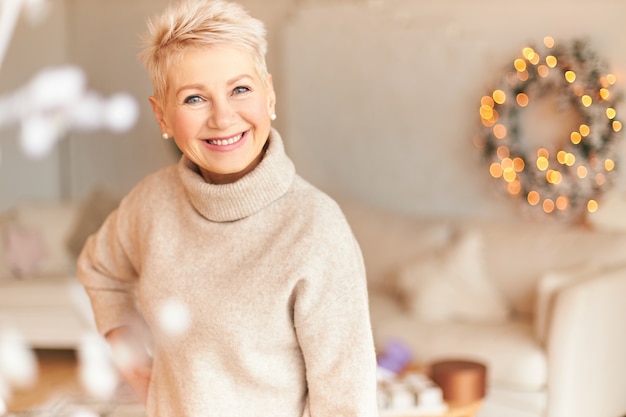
(224, 142)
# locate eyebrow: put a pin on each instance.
(198, 86)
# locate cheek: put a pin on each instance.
(186, 124)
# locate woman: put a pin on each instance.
(262, 264)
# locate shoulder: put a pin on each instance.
(316, 220)
(155, 191)
(314, 204)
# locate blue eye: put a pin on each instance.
(193, 100)
(241, 90)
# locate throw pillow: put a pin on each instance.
(24, 249)
(5, 266)
(451, 284)
(51, 221)
(93, 212)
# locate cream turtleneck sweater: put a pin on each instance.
(272, 278)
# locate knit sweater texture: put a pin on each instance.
(272, 279)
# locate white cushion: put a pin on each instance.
(514, 358)
(450, 284)
(390, 239)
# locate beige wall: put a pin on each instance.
(376, 98)
(33, 47)
(383, 95)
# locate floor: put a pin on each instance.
(58, 374)
(59, 392)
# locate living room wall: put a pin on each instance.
(377, 99)
(33, 47)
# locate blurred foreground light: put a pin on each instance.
(18, 364)
(174, 317)
(97, 373)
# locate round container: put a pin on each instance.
(461, 381)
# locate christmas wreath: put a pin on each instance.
(566, 177)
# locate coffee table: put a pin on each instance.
(467, 410)
(454, 410)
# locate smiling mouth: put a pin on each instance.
(225, 142)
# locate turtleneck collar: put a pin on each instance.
(266, 183)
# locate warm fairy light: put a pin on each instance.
(562, 203)
(522, 99)
(592, 206)
(495, 169)
(499, 96)
(605, 94)
(503, 152)
(600, 178)
(576, 138)
(584, 130)
(529, 53)
(551, 61)
(508, 174)
(579, 89)
(542, 163)
(533, 198)
(543, 71)
(611, 78)
(486, 112)
(523, 76)
(586, 100)
(548, 205)
(566, 158)
(609, 165)
(518, 164)
(514, 188)
(535, 59)
(507, 163)
(499, 131)
(582, 172)
(617, 125)
(604, 82)
(554, 177)
(570, 76)
(520, 65)
(486, 101)
(548, 41)
(488, 122)
(543, 152)
(611, 113)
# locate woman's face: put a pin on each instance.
(218, 111)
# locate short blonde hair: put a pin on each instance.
(199, 23)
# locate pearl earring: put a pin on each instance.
(273, 116)
(165, 136)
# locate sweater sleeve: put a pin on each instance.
(106, 270)
(332, 322)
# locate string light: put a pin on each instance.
(569, 178)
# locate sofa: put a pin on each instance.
(541, 304)
(41, 299)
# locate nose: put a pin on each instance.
(222, 114)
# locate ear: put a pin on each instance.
(271, 95)
(157, 109)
